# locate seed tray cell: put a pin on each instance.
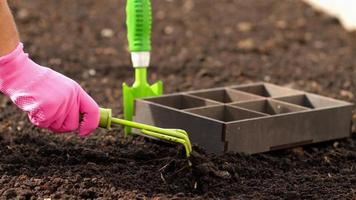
(266, 90)
(225, 95)
(270, 107)
(311, 101)
(181, 101)
(250, 118)
(226, 113)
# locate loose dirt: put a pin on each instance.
(196, 44)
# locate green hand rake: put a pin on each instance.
(170, 135)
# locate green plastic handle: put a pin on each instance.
(139, 23)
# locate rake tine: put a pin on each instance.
(171, 139)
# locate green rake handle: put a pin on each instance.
(171, 135)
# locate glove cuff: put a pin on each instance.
(18, 72)
(12, 55)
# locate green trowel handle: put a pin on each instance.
(139, 23)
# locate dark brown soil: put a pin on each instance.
(197, 44)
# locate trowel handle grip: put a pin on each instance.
(139, 24)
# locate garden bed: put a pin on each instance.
(196, 45)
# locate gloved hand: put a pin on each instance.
(51, 99)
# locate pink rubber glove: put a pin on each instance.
(51, 100)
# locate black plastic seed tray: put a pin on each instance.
(249, 118)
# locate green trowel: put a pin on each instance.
(139, 22)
